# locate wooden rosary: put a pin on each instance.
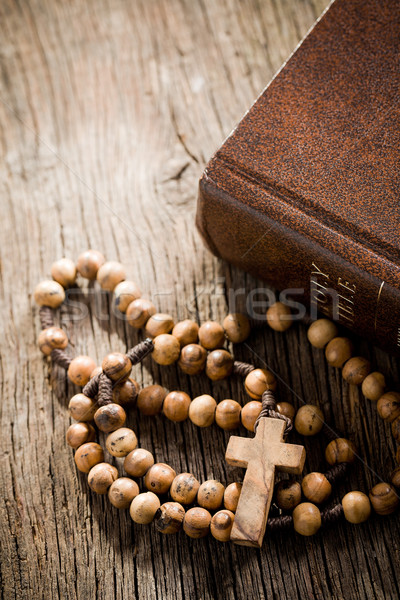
(108, 390)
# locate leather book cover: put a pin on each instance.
(305, 192)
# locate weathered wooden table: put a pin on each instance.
(109, 111)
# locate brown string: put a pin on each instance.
(285, 522)
(337, 472)
(268, 410)
(60, 357)
(140, 351)
(105, 393)
(91, 389)
(46, 317)
(242, 369)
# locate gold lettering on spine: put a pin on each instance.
(333, 297)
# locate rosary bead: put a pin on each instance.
(227, 414)
(356, 370)
(159, 323)
(211, 335)
(169, 517)
(166, 349)
(338, 351)
(101, 477)
(384, 498)
(159, 477)
(309, 420)
(80, 369)
(110, 274)
(122, 492)
(186, 332)
(192, 359)
(116, 366)
(89, 263)
(395, 477)
(210, 494)
(121, 441)
(80, 433)
(373, 386)
(316, 487)
(50, 338)
(49, 293)
(249, 414)
(196, 523)
(144, 507)
(259, 381)
(321, 332)
(306, 519)
(221, 525)
(139, 312)
(232, 495)
(279, 317)
(110, 417)
(88, 455)
(396, 429)
(96, 371)
(219, 364)
(82, 408)
(125, 293)
(236, 327)
(184, 488)
(356, 507)
(389, 406)
(126, 392)
(176, 406)
(202, 410)
(64, 272)
(339, 451)
(138, 462)
(150, 400)
(286, 409)
(287, 494)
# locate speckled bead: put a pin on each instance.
(144, 507)
(184, 488)
(236, 327)
(219, 365)
(309, 420)
(80, 369)
(169, 517)
(232, 495)
(306, 519)
(110, 417)
(49, 293)
(211, 335)
(384, 498)
(356, 370)
(122, 492)
(64, 272)
(159, 477)
(116, 366)
(279, 317)
(192, 359)
(389, 406)
(338, 351)
(139, 312)
(88, 455)
(159, 323)
(316, 488)
(249, 414)
(138, 462)
(89, 263)
(125, 293)
(321, 332)
(221, 525)
(196, 523)
(101, 476)
(176, 406)
(356, 507)
(395, 477)
(126, 392)
(287, 494)
(82, 408)
(110, 274)
(51, 338)
(202, 410)
(121, 441)
(340, 451)
(210, 494)
(227, 414)
(80, 433)
(373, 386)
(166, 349)
(258, 381)
(150, 399)
(396, 429)
(286, 409)
(186, 332)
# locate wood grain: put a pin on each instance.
(108, 112)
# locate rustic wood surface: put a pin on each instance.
(109, 110)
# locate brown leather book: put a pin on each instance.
(305, 193)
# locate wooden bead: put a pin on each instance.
(286, 409)
(355, 370)
(306, 519)
(221, 525)
(89, 263)
(184, 488)
(338, 351)
(64, 272)
(138, 462)
(110, 417)
(287, 494)
(121, 441)
(80, 433)
(258, 381)
(96, 371)
(88, 455)
(211, 335)
(227, 414)
(384, 498)
(249, 414)
(159, 477)
(219, 364)
(126, 392)
(373, 386)
(139, 312)
(110, 274)
(316, 487)
(82, 408)
(196, 523)
(389, 406)
(125, 293)
(192, 359)
(169, 517)
(186, 332)
(159, 323)
(356, 507)
(49, 293)
(150, 399)
(279, 317)
(236, 327)
(321, 332)
(80, 369)
(396, 429)
(340, 451)
(176, 406)
(210, 494)
(166, 349)
(50, 338)
(395, 477)
(202, 410)
(101, 476)
(309, 420)
(232, 495)
(144, 507)
(122, 492)
(116, 366)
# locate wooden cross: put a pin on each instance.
(260, 456)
